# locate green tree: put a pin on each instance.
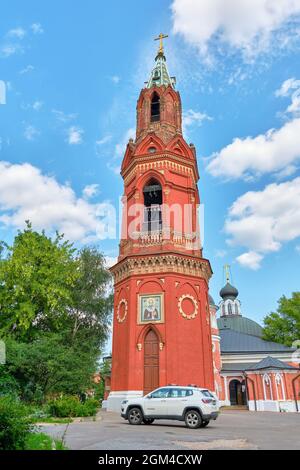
(48, 365)
(283, 326)
(56, 306)
(91, 308)
(36, 278)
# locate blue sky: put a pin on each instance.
(73, 72)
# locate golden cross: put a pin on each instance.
(160, 39)
(227, 272)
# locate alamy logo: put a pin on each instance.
(2, 92)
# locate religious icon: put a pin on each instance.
(150, 308)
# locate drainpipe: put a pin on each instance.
(294, 391)
(253, 386)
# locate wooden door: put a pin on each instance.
(151, 362)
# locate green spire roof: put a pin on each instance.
(160, 75)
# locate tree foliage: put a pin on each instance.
(49, 365)
(283, 326)
(36, 280)
(91, 302)
(55, 306)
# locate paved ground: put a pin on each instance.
(232, 430)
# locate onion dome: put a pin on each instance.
(229, 292)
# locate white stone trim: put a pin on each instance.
(240, 357)
(215, 338)
(267, 380)
(273, 405)
(279, 381)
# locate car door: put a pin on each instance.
(177, 401)
(155, 403)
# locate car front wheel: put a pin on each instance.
(135, 416)
(148, 420)
(193, 419)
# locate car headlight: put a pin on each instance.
(124, 402)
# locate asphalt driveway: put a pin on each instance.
(232, 430)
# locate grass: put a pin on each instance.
(41, 441)
(51, 420)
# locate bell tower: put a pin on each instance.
(161, 330)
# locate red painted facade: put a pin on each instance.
(165, 261)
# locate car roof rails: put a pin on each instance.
(192, 385)
(173, 385)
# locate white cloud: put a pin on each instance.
(37, 105)
(27, 194)
(36, 28)
(250, 260)
(74, 135)
(10, 49)
(30, 132)
(263, 220)
(110, 261)
(28, 68)
(115, 163)
(246, 25)
(265, 153)
(103, 140)
(18, 33)
(115, 79)
(64, 117)
(291, 88)
(90, 191)
(121, 146)
(191, 117)
(220, 253)
(287, 86)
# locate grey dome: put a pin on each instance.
(211, 300)
(229, 292)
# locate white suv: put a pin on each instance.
(196, 406)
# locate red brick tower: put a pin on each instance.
(161, 331)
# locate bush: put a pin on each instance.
(14, 424)
(70, 406)
(8, 384)
(41, 441)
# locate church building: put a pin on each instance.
(165, 329)
(249, 371)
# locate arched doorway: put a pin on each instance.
(237, 391)
(151, 361)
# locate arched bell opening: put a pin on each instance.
(152, 193)
(155, 108)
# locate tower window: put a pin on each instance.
(152, 202)
(155, 108)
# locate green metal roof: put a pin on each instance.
(160, 75)
(240, 324)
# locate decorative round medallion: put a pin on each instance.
(192, 312)
(122, 312)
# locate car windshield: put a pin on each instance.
(207, 393)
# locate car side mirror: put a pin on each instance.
(149, 396)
